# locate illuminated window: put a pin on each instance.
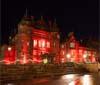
(28, 43)
(40, 43)
(62, 46)
(48, 44)
(63, 52)
(35, 43)
(72, 44)
(43, 43)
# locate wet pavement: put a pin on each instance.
(69, 79)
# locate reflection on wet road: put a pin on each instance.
(70, 79)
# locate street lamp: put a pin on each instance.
(9, 48)
(45, 61)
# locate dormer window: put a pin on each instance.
(62, 46)
(72, 45)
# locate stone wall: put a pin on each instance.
(20, 72)
(91, 67)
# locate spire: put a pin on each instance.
(70, 34)
(32, 18)
(26, 13)
(55, 23)
(41, 17)
(55, 28)
(10, 40)
(41, 21)
(50, 26)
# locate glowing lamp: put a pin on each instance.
(45, 61)
(84, 56)
(9, 48)
(68, 55)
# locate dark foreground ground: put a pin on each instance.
(68, 79)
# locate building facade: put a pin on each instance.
(36, 38)
(73, 51)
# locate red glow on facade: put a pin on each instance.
(77, 53)
(34, 41)
(48, 44)
(9, 55)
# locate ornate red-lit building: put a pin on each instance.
(73, 51)
(35, 38)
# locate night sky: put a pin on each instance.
(80, 17)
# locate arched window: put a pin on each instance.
(48, 44)
(35, 43)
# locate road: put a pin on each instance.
(69, 79)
